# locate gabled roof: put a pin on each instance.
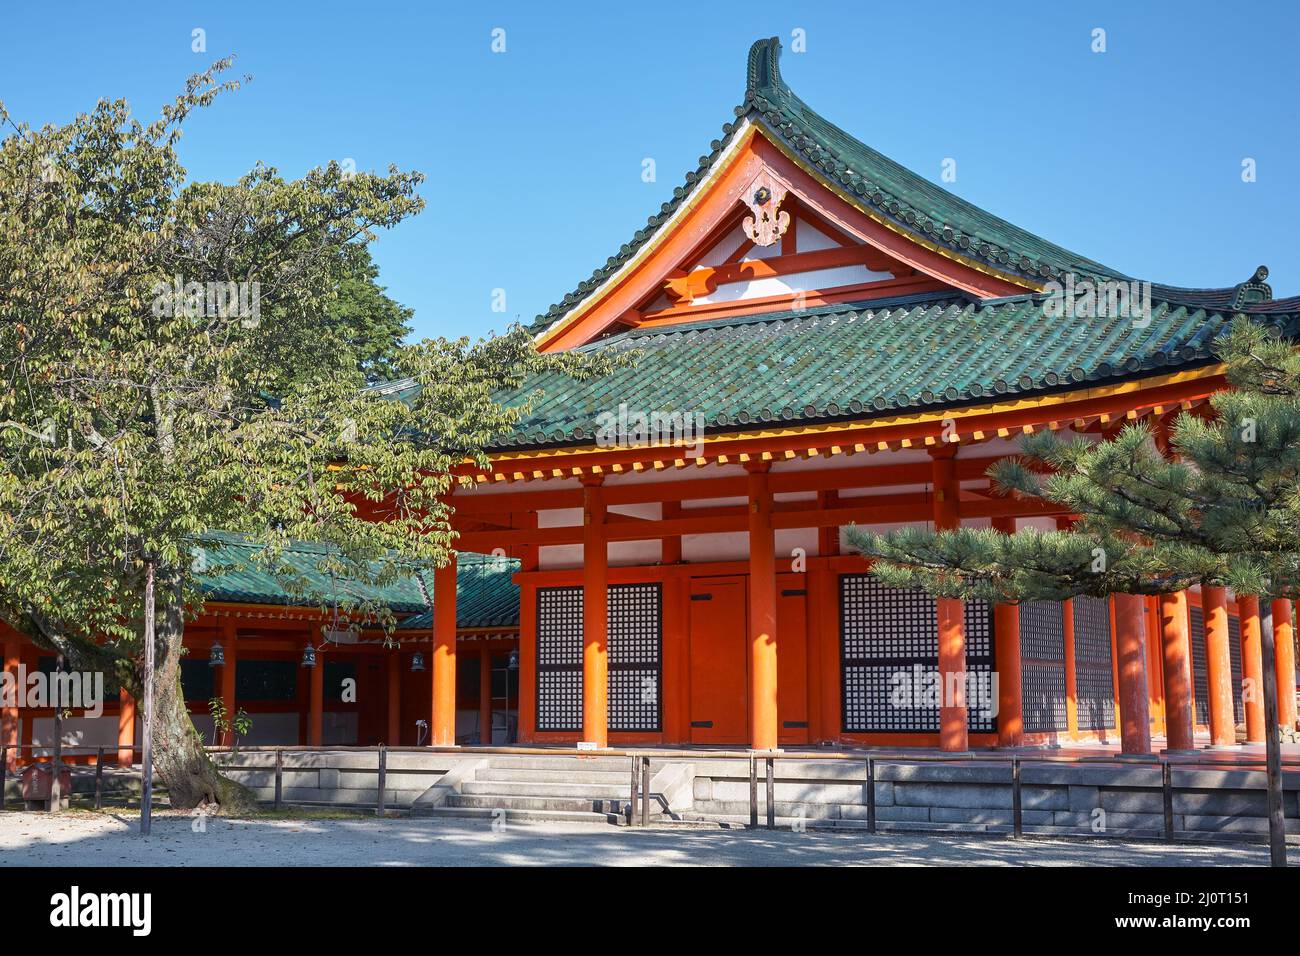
(486, 593)
(858, 361)
(897, 197)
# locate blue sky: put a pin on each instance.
(1132, 157)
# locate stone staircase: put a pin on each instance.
(527, 789)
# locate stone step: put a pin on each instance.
(575, 804)
(514, 815)
(524, 775)
(609, 764)
(528, 788)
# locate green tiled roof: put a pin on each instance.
(853, 361)
(885, 189)
(486, 594)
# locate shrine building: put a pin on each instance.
(821, 338)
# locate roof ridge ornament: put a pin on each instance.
(1254, 289)
(764, 66)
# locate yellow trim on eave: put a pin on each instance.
(1131, 387)
(698, 192)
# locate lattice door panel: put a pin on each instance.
(981, 695)
(1042, 666)
(635, 657)
(1093, 668)
(635, 632)
(889, 647)
(1200, 674)
(559, 659)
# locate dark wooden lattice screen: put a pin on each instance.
(886, 633)
(1200, 675)
(559, 659)
(635, 655)
(1042, 666)
(1093, 675)
(635, 658)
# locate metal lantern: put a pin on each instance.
(217, 656)
(417, 662)
(309, 656)
(514, 660)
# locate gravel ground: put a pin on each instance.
(111, 839)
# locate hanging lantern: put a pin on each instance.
(217, 656)
(514, 660)
(309, 656)
(417, 662)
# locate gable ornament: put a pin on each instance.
(763, 196)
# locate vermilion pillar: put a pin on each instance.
(1252, 668)
(1218, 667)
(125, 728)
(1284, 640)
(393, 737)
(442, 724)
(1006, 650)
(1176, 643)
(485, 696)
(229, 637)
(763, 726)
(595, 616)
(316, 711)
(1130, 645)
(1071, 669)
(953, 734)
(9, 715)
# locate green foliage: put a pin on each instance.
(134, 419)
(1223, 508)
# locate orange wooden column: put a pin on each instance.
(1284, 640)
(1252, 667)
(595, 615)
(1006, 651)
(763, 720)
(1130, 645)
(1218, 666)
(1071, 669)
(953, 734)
(393, 737)
(1177, 645)
(125, 728)
(442, 722)
(316, 711)
(229, 636)
(9, 716)
(485, 696)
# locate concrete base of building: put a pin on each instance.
(1117, 797)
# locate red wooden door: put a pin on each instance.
(719, 678)
(792, 658)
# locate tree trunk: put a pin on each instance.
(191, 778)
